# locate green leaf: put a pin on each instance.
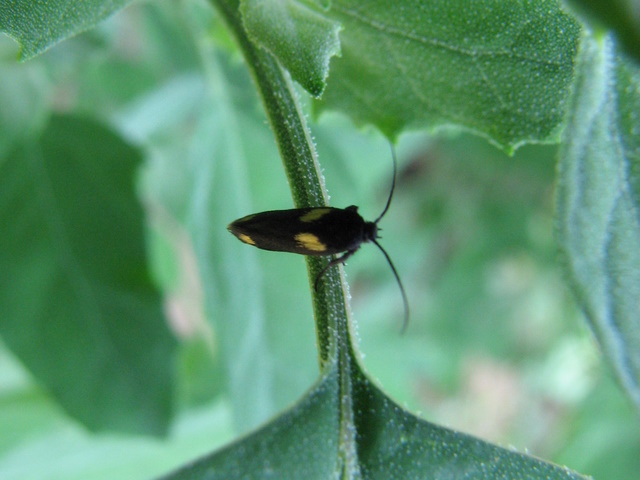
(39, 25)
(317, 439)
(74, 267)
(302, 443)
(33, 426)
(498, 68)
(622, 16)
(598, 203)
(302, 40)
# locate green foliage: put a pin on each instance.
(598, 203)
(298, 37)
(470, 232)
(74, 267)
(393, 444)
(503, 73)
(41, 24)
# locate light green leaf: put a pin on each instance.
(73, 266)
(598, 203)
(301, 39)
(23, 91)
(40, 24)
(499, 68)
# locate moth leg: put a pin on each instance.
(336, 261)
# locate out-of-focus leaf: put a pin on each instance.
(598, 204)
(78, 306)
(40, 24)
(23, 90)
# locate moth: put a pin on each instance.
(317, 231)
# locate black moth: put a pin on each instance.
(318, 231)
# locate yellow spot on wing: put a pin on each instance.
(310, 242)
(246, 239)
(314, 214)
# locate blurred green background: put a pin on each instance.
(495, 347)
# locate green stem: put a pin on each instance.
(303, 171)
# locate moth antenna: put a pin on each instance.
(404, 295)
(393, 183)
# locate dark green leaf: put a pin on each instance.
(302, 443)
(78, 307)
(499, 68)
(315, 440)
(40, 24)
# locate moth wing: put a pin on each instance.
(295, 231)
